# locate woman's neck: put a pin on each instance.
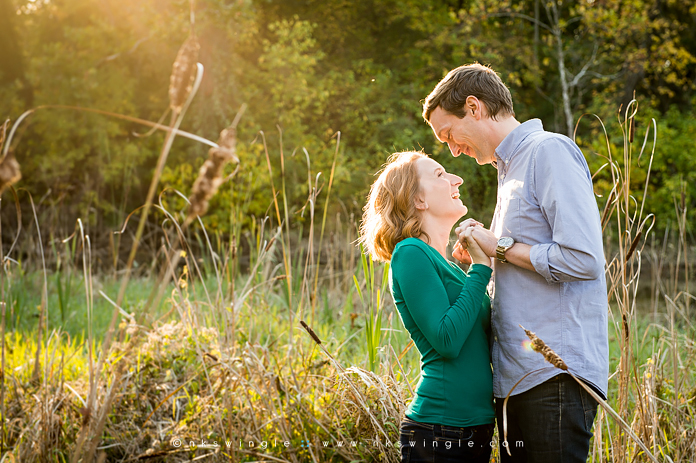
(438, 233)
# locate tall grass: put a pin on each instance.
(651, 364)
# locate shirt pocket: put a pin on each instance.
(510, 217)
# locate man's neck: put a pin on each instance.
(501, 129)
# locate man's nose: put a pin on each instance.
(453, 148)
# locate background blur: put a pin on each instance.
(312, 68)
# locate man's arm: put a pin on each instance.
(563, 189)
(562, 186)
(517, 255)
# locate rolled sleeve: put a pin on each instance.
(539, 255)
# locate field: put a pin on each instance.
(278, 341)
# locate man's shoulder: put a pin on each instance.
(543, 137)
(555, 146)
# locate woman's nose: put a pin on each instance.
(456, 180)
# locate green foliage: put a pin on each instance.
(373, 301)
(672, 185)
(313, 69)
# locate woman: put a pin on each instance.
(412, 207)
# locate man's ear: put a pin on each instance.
(474, 107)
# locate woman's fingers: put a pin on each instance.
(469, 223)
(460, 253)
(469, 237)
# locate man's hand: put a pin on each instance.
(475, 251)
(486, 240)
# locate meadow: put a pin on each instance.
(278, 341)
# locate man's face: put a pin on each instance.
(465, 135)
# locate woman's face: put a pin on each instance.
(439, 191)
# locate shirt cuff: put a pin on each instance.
(539, 255)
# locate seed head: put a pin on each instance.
(210, 175)
(540, 346)
(9, 172)
(183, 73)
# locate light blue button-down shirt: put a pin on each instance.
(545, 199)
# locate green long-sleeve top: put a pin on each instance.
(447, 313)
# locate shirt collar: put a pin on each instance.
(508, 147)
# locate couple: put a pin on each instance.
(545, 251)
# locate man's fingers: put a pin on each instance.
(468, 233)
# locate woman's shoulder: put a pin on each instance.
(408, 245)
(410, 249)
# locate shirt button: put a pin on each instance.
(496, 338)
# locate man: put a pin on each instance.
(546, 241)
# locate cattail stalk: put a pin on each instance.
(554, 359)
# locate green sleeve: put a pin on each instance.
(446, 326)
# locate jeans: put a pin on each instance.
(434, 443)
(550, 423)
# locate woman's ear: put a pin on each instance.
(421, 205)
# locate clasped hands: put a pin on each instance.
(475, 243)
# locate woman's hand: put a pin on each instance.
(478, 255)
(459, 251)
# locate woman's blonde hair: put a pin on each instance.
(390, 213)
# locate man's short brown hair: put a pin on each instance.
(475, 80)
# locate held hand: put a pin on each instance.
(468, 223)
(460, 253)
(478, 256)
(486, 240)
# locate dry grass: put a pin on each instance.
(180, 386)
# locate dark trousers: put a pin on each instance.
(434, 443)
(550, 423)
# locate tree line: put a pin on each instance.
(308, 69)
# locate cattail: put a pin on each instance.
(606, 215)
(183, 73)
(210, 175)
(540, 346)
(310, 331)
(634, 245)
(9, 167)
(9, 172)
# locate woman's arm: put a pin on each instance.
(446, 326)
